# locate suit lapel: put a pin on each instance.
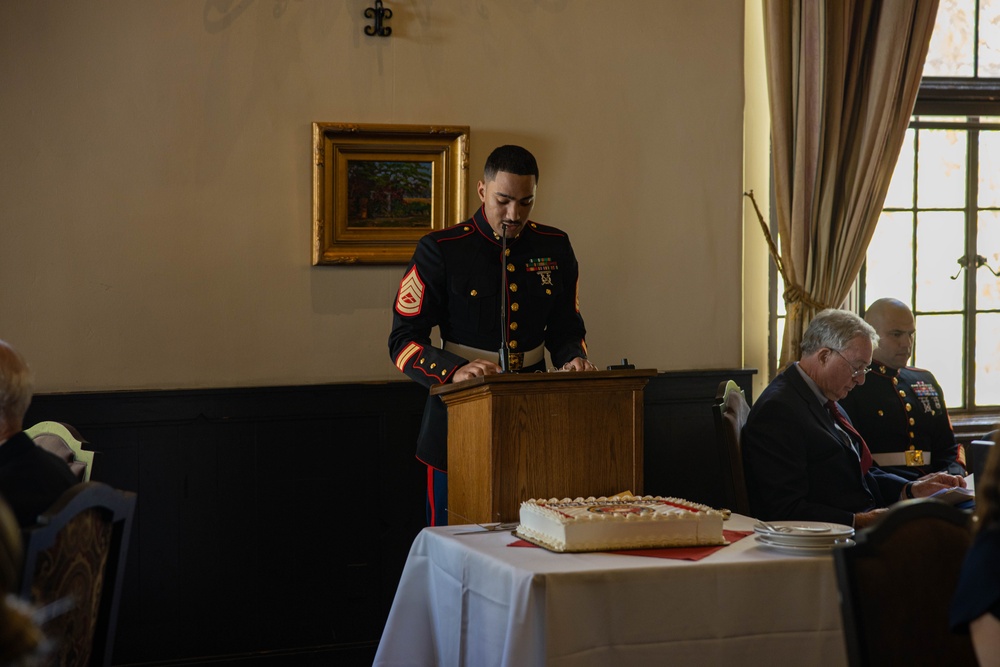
(819, 412)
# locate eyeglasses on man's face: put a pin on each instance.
(855, 372)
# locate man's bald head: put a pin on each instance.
(893, 320)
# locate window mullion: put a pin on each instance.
(972, 270)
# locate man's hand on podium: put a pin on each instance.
(578, 364)
(475, 369)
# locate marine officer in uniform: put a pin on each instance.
(900, 410)
(454, 282)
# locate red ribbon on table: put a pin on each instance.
(676, 553)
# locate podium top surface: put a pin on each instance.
(553, 376)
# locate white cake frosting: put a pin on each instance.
(622, 522)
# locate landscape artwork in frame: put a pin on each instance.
(389, 194)
(378, 188)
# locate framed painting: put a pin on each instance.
(378, 188)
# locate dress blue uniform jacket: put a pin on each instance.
(454, 282)
(896, 409)
(797, 465)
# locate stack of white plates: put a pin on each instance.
(804, 537)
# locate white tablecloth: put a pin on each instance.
(472, 600)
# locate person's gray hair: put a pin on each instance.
(835, 329)
(16, 387)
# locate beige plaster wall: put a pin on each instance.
(756, 177)
(155, 193)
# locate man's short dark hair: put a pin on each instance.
(513, 160)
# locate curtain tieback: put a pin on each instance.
(794, 294)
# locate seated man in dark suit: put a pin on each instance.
(802, 458)
(31, 479)
(900, 410)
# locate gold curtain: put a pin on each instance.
(842, 79)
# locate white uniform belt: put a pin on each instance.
(900, 458)
(529, 358)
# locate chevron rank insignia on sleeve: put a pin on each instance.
(411, 294)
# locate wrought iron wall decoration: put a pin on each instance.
(379, 13)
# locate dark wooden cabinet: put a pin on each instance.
(681, 458)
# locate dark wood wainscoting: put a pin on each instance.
(273, 523)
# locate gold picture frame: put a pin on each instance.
(378, 188)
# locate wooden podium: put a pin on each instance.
(514, 437)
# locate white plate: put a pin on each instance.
(805, 532)
(804, 540)
(804, 549)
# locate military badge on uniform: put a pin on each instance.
(411, 294)
(927, 393)
(543, 266)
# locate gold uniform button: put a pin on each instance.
(895, 381)
(473, 293)
(513, 287)
(908, 407)
(466, 228)
(881, 414)
(510, 268)
(507, 253)
(433, 365)
(421, 360)
(911, 435)
(514, 306)
(444, 372)
(513, 326)
(902, 393)
(513, 344)
(912, 421)
(548, 291)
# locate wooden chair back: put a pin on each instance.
(74, 560)
(896, 586)
(731, 410)
(65, 442)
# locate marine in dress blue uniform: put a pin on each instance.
(900, 410)
(458, 280)
(901, 414)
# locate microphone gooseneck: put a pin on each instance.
(504, 350)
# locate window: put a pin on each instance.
(937, 244)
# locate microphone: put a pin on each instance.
(504, 349)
